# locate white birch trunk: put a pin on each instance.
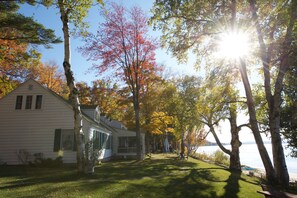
(73, 96)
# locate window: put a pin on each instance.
(18, 104)
(67, 140)
(109, 142)
(101, 141)
(64, 140)
(38, 102)
(29, 102)
(127, 144)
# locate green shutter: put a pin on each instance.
(57, 140)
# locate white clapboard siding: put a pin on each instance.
(33, 130)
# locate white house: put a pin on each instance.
(124, 140)
(35, 120)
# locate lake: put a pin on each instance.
(249, 155)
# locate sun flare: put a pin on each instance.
(233, 45)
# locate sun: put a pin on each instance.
(233, 45)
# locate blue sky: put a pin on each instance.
(49, 17)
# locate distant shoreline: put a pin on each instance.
(250, 157)
(215, 144)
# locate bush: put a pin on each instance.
(2, 163)
(202, 156)
(219, 157)
(39, 161)
(23, 156)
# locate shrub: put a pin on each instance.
(219, 157)
(23, 156)
(39, 161)
(2, 163)
(202, 156)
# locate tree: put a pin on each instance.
(17, 34)
(110, 98)
(105, 94)
(180, 21)
(75, 11)
(288, 111)
(124, 47)
(84, 93)
(195, 138)
(50, 76)
(17, 64)
(23, 29)
(182, 97)
(151, 105)
(276, 56)
(218, 103)
(161, 124)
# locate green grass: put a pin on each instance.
(160, 176)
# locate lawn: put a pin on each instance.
(162, 175)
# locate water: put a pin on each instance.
(249, 156)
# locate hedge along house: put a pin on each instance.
(36, 121)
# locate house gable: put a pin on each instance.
(32, 129)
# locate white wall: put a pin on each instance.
(33, 129)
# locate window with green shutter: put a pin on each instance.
(64, 139)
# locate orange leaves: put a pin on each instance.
(10, 52)
(49, 75)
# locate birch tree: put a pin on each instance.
(74, 12)
(197, 26)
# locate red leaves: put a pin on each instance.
(122, 45)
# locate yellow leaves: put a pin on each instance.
(49, 75)
(160, 123)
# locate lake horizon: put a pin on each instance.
(249, 155)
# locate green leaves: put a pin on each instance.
(14, 26)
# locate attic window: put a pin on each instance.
(38, 103)
(30, 87)
(18, 104)
(29, 102)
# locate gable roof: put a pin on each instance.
(31, 80)
(63, 100)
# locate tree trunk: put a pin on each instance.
(182, 146)
(235, 142)
(148, 143)
(90, 157)
(270, 172)
(212, 130)
(274, 101)
(139, 151)
(73, 96)
(279, 159)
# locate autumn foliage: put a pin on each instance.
(122, 47)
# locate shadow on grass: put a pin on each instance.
(232, 187)
(163, 176)
(160, 183)
(22, 176)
